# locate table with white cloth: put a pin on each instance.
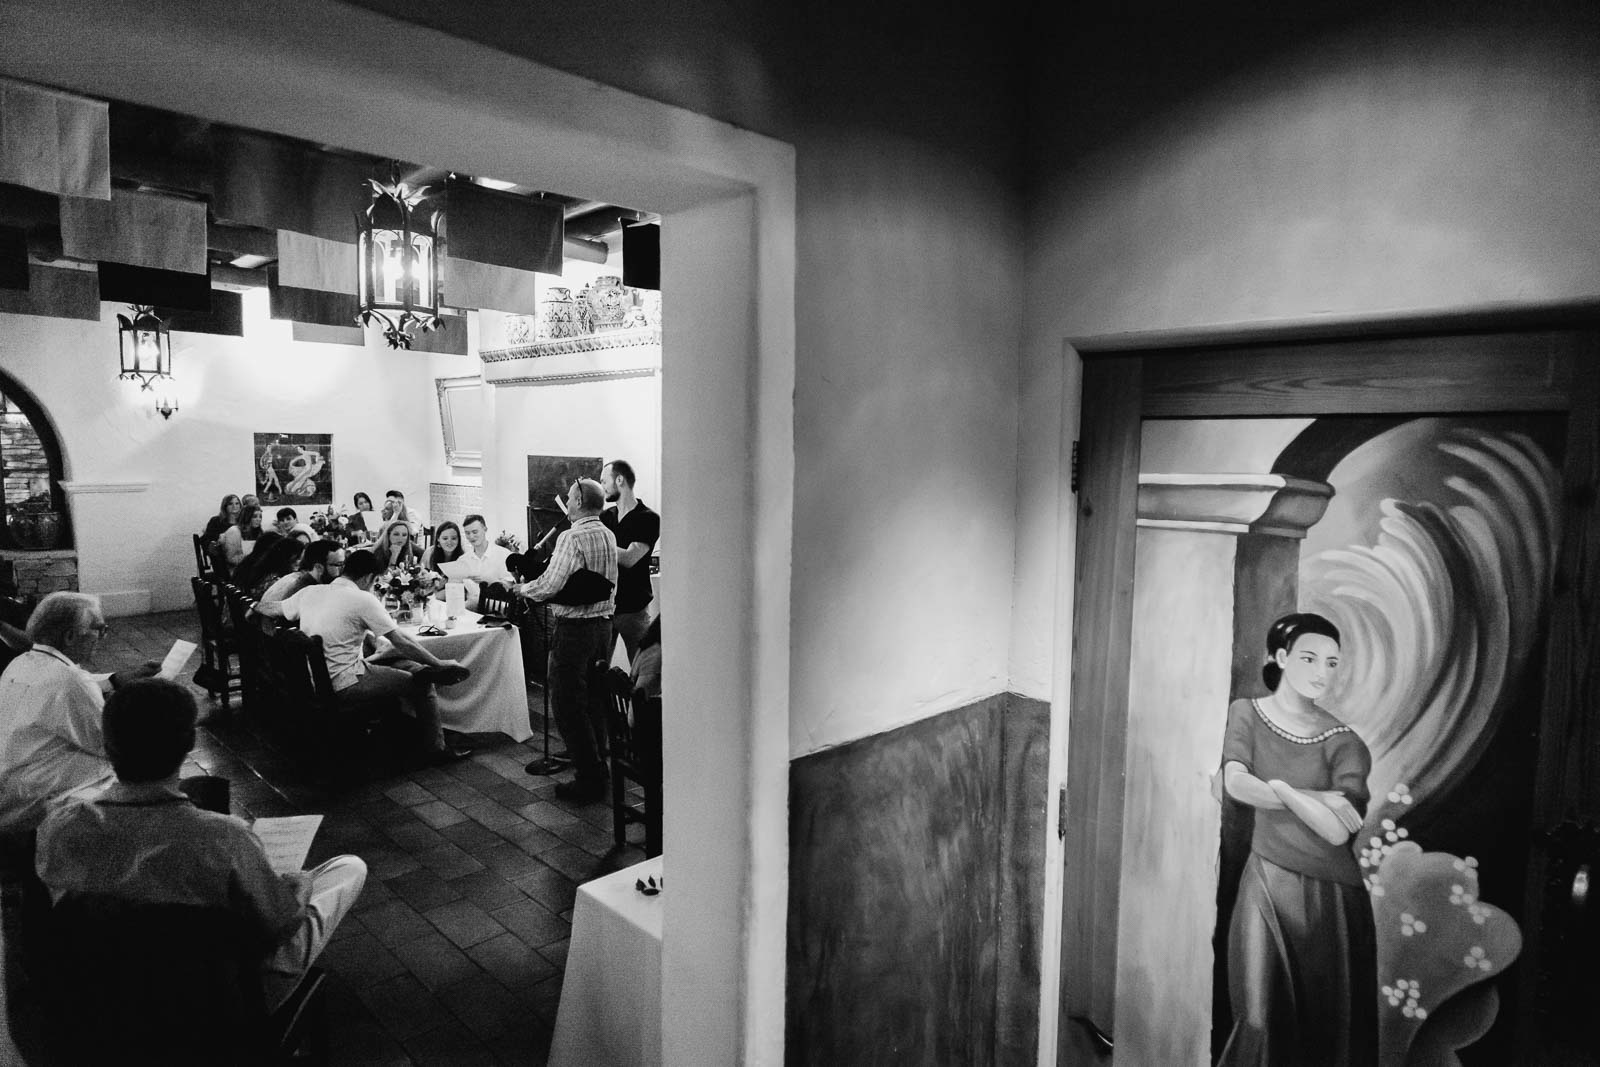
(495, 698)
(610, 1011)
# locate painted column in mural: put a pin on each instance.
(1216, 555)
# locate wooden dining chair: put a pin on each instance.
(204, 566)
(633, 739)
(219, 672)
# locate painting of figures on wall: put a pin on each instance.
(1334, 705)
(294, 468)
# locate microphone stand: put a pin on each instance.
(546, 765)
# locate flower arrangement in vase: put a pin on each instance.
(333, 524)
(405, 592)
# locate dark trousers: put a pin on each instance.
(579, 707)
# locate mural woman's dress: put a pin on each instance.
(1302, 956)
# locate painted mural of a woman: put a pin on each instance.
(1302, 956)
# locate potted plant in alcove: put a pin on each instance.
(34, 523)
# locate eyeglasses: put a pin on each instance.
(100, 629)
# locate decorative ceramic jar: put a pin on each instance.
(561, 316)
(519, 329)
(34, 529)
(608, 303)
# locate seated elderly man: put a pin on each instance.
(50, 739)
(343, 613)
(142, 840)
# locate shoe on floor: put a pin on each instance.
(582, 791)
(444, 675)
(448, 754)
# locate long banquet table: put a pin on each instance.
(610, 1013)
(495, 698)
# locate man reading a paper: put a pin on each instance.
(142, 840)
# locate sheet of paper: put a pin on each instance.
(287, 840)
(561, 502)
(181, 651)
(455, 568)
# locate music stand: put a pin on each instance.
(546, 764)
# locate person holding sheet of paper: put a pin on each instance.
(143, 841)
(50, 741)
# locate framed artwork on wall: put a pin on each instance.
(294, 468)
(461, 419)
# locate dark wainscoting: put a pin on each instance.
(916, 891)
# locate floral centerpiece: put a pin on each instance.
(333, 524)
(405, 590)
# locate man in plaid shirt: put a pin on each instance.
(581, 635)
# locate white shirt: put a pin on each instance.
(489, 567)
(341, 614)
(51, 743)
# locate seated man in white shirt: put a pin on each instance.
(142, 840)
(50, 736)
(483, 561)
(342, 613)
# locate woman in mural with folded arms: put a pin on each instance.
(1302, 952)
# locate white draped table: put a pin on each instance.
(495, 698)
(610, 1013)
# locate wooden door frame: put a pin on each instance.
(1505, 364)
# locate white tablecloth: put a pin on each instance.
(495, 698)
(610, 1014)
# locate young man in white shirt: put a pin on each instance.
(342, 613)
(483, 561)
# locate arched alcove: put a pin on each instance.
(33, 507)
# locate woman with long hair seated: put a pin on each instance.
(446, 547)
(395, 546)
(239, 540)
(227, 514)
(275, 556)
(364, 518)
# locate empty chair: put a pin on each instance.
(633, 737)
(219, 672)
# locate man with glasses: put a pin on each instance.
(51, 743)
(320, 563)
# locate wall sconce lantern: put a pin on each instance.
(396, 258)
(166, 402)
(145, 346)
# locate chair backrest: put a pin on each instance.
(206, 597)
(202, 559)
(495, 599)
(619, 727)
(296, 669)
(133, 982)
(247, 637)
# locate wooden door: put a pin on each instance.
(1499, 372)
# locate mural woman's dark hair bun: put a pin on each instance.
(1285, 632)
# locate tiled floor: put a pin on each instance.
(454, 953)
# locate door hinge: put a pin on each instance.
(1061, 813)
(1074, 466)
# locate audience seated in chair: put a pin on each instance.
(320, 563)
(143, 842)
(343, 613)
(50, 739)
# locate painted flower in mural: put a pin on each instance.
(1437, 943)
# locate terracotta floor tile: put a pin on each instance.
(435, 962)
(463, 922)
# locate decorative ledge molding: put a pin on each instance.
(1274, 504)
(582, 376)
(594, 342)
(93, 488)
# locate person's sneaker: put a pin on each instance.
(582, 791)
(444, 675)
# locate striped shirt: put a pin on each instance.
(588, 544)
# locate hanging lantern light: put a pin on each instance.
(145, 346)
(396, 257)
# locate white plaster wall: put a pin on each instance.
(905, 436)
(373, 400)
(610, 419)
